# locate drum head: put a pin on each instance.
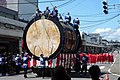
(42, 36)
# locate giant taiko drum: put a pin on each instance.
(50, 37)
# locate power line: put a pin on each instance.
(61, 5)
(95, 15)
(75, 5)
(93, 25)
(66, 3)
(97, 20)
(101, 22)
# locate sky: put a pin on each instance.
(91, 15)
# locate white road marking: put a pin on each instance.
(113, 62)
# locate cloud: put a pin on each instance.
(103, 30)
(117, 32)
(108, 33)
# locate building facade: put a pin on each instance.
(3, 3)
(11, 31)
(25, 8)
(12, 27)
(12, 12)
(92, 43)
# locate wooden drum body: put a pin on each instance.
(50, 37)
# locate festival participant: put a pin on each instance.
(38, 12)
(42, 64)
(105, 57)
(111, 58)
(77, 65)
(101, 58)
(93, 58)
(60, 17)
(90, 58)
(18, 63)
(25, 60)
(47, 12)
(68, 18)
(54, 12)
(84, 63)
(4, 64)
(97, 58)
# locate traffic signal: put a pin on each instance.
(105, 7)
